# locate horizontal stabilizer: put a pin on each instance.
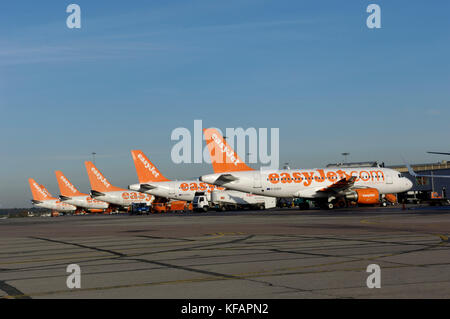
(147, 187)
(225, 178)
(94, 194)
(64, 198)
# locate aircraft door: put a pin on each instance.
(389, 179)
(172, 189)
(257, 180)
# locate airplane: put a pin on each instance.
(104, 191)
(43, 199)
(71, 195)
(326, 186)
(151, 181)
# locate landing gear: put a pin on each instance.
(341, 203)
(326, 205)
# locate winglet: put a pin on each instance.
(146, 171)
(223, 157)
(66, 188)
(98, 182)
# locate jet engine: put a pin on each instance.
(366, 196)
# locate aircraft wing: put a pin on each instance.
(225, 178)
(412, 173)
(64, 198)
(339, 186)
(443, 153)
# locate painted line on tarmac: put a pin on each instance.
(12, 292)
(196, 280)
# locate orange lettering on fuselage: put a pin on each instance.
(274, 178)
(308, 178)
(332, 176)
(285, 178)
(365, 177)
(320, 178)
(185, 187)
(297, 177)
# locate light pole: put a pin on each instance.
(93, 157)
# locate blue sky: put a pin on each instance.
(135, 71)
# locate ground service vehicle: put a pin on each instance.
(229, 199)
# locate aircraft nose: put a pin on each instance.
(409, 184)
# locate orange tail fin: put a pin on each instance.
(66, 188)
(146, 171)
(223, 157)
(47, 192)
(99, 182)
(37, 192)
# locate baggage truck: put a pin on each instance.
(230, 199)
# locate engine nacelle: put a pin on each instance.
(392, 198)
(366, 196)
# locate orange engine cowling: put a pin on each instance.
(368, 196)
(392, 198)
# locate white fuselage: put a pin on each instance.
(87, 202)
(178, 190)
(125, 198)
(55, 204)
(308, 183)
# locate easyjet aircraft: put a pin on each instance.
(104, 191)
(43, 199)
(325, 185)
(151, 181)
(71, 195)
